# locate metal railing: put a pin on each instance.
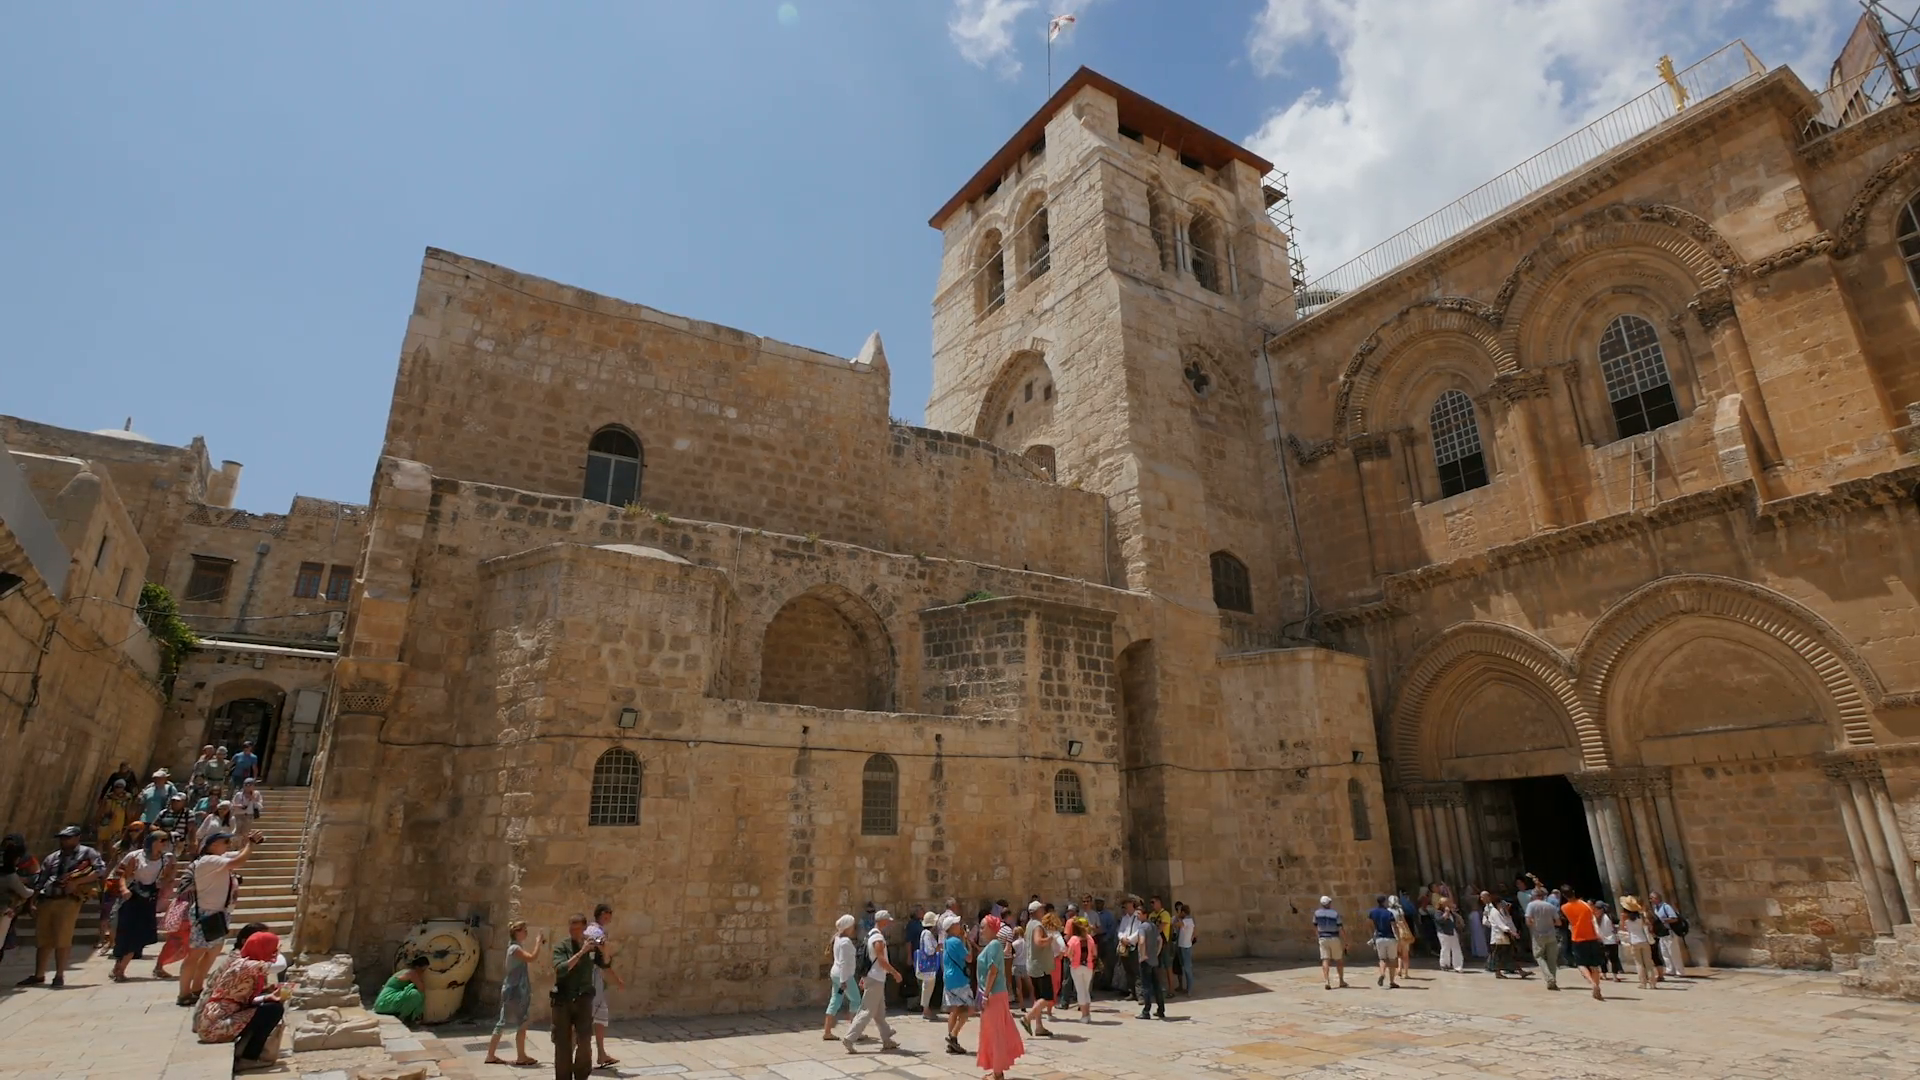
(1727, 67)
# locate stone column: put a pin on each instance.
(1469, 853)
(1659, 785)
(1600, 792)
(1879, 852)
(1516, 392)
(1715, 309)
(1863, 862)
(1422, 833)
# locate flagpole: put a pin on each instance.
(1049, 57)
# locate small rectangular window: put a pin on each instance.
(1029, 389)
(1192, 162)
(340, 584)
(1047, 394)
(208, 582)
(100, 554)
(120, 590)
(306, 583)
(1128, 133)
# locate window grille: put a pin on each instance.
(340, 584)
(1456, 444)
(1068, 797)
(1232, 590)
(306, 583)
(993, 275)
(1357, 806)
(1634, 368)
(880, 797)
(1040, 245)
(616, 789)
(614, 462)
(208, 583)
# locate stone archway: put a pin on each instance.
(828, 649)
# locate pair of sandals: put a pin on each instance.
(187, 1001)
(37, 980)
(521, 1062)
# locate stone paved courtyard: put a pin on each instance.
(1256, 1019)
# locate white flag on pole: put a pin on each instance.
(1059, 25)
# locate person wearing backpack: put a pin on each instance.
(1446, 923)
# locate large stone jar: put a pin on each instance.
(453, 955)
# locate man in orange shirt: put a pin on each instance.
(1586, 953)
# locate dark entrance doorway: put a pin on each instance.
(1537, 825)
(243, 721)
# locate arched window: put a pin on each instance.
(613, 467)
(1232, 591)
(1357, 806)
(1456, 444)
(1160, 223)
(1635, 371)
(990, 275)
(880, 797)
(1042, 455)
(1068, 798)
(1039, 241)
(1909, 239)
(616, 789)
(1209, 252)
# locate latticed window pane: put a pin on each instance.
(1068, 798)
(1456, 444)
(616, 789)
(340, 584)
(880, 797)
(1910, 240)
(1232, 590)
(208, 583)
(1635, 370)
(307, 583)
(613, 467)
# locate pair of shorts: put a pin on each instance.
(1332, 948)
(1585, 954)
(959, 997)
(1387, 949)
(53, 921)
(1043, 987)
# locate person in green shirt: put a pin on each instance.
(574, 959)
(402, 996)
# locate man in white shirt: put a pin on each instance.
(1129, 948)
(873, 991)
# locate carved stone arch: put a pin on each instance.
(1685, 237)
(1869, 220)
(1007, 392)
(1484, 643)
(1545, 333)
(858, 650)
(1466, 320)
(1851, 684)
(1029, 231)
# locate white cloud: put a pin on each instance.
(983, 31)
(1433, 99)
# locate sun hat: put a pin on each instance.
(1034, 906)
(1326, 901)
(883, 915)
(930, 920)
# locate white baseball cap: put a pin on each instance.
(1326, 901)
(1035, 906)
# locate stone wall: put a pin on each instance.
(79, 674)
(266, 555)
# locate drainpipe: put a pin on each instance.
(253, 581)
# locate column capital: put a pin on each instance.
(1624, 782)
(1846, 766)
(1443, 793)
(1712, 305)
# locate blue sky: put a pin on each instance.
(213, 215)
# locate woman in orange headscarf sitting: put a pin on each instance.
(243, 1003)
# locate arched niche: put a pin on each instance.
(826, 648)
(1017, 410)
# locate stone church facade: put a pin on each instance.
(1584, 543)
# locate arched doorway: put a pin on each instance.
(244, 720)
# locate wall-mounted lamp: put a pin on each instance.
(1074, 746)
(629, 717)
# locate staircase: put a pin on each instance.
(1892, 969)
(266, 886)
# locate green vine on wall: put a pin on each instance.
(163, 620)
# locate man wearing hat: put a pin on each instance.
(155, 796)
(67, 877)
(1331, 934)
(873, 1000)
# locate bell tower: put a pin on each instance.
(1106, 283)
(1105, 280)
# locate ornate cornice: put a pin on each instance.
(1850, 237)
(1871, 130)
(1519, 385)
(1625, 783)
(1792, 255)
(1846, 766)
(1440, 793)
(1306, 453)
(1370, 447)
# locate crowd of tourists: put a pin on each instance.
(164, 864)
(1557, 926)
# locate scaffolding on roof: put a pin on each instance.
(1278, 195)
